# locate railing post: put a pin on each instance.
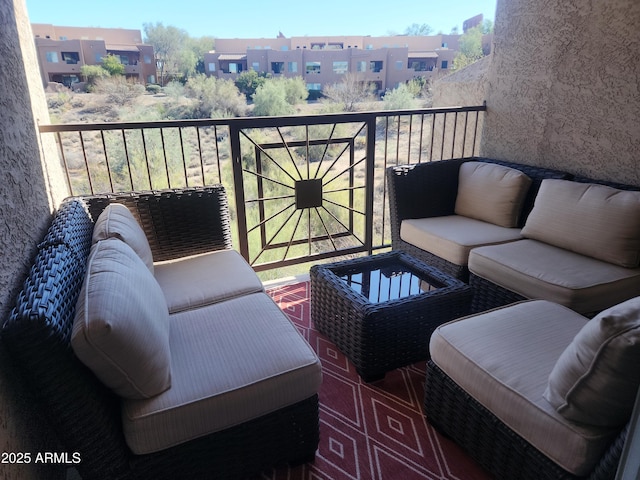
(238, 187)
(369, 187)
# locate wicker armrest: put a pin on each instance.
(422, 190)
(177, 222)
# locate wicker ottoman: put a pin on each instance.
(381, 310)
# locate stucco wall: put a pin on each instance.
(564, 86)
(30, 186)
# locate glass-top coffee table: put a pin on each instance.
(381, 310)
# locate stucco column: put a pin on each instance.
(30, 187)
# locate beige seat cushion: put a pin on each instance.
(117, 221)
(595, 380)
(121, 328)
(199, 280)
(594, 220)
(231, 362)
(492, 193)
(452, 237)
(540, 271)
(503, 359)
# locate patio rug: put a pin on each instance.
(369, 431)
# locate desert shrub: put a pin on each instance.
(153, 88)
(118, 90)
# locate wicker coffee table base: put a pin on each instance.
(379, 337)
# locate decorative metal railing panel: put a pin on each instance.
(301, 188)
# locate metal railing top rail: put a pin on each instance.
(257, 122)
(296, 193)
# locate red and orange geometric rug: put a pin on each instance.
(369, 431)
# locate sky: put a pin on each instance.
(263, 18)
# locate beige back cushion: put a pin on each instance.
(492, 193)
(121, 328)
(117, 221)
(594, 220)
(596, 378)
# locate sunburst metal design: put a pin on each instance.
(304, 191)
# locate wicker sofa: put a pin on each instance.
(535, 390)
(153, 348)
(439, 221)
(580, 248)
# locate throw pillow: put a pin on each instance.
(116, 220)
(594, 220)
(121, 327)
(491, 193)
(596, 378)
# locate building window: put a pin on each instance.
(147, 59)
(312, 67)
(71, 58)
(52, 57)
(277, 67)
(369, 47)
(255, 66)
(444, 45)
(63, 38)
(340, 68)
(212, 67)
(361, 66)
(314, 86)
(98, 58)
(284, 48)
(151, 79)
(292, 67)
(399, 64)
(376, 65)
(444, 65)
(233, 68)
(124, 60)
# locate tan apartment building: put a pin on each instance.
(384, 61)
(62, 51)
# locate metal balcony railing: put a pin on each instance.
(301, 188)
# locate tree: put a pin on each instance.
(295, 90)
(470, 48)
(270, 99)
(215, 97)
(416, 29)
(200, 46)
(92, 73)
(170, 48)
(350, 91)
(249, 81)
(113, 65)
(399, 98)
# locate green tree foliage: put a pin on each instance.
(270, 99)
(170, 45)
(295, 90)
(399, 98)
(215, 97)
(353, 89)
(92, 73)
(113, 65)
(470, 48)
(418, 29)
(249, 81)
(200, 46)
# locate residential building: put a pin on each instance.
(62, 51)
(384, 61)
